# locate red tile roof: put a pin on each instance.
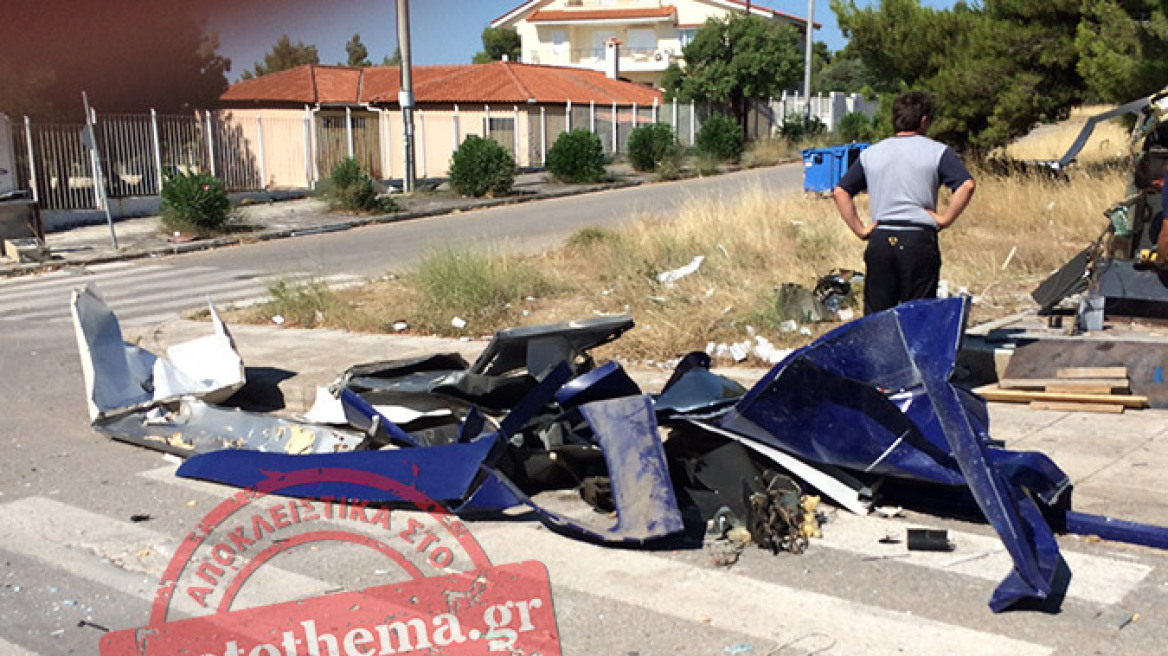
(496, 82)
(545, 15)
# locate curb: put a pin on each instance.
(29, 268)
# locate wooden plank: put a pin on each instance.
(1146, 361)
(1060, 388)
(1040, 383)
(993, 393)
(1063, 406)
(1092, 372)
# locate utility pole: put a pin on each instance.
(807, 57)
(405, 97)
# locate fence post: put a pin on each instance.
(615, 134)
(210, 141)
(568, 116)
(94, 164)
(306, 120)
(457, 131)
(486, 121)
(349, 129)
(693, 123)
(592, 116)
(515, 134)
(260, 140)
(654, 110)
(387, 140)
(157, 148)
(676, 130)
(542, 135)
(422, 139)
(32, 176)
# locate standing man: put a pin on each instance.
(903, 175)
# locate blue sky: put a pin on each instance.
(443, 31)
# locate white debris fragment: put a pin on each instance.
(670, 277)
(805, 331)
(710, 346)
(846, 314)
(788, 326)
(458, 322)
(278, 319)
(943, 289)
(326, 409)
(400, 326)
(738, 352)
(722, 351)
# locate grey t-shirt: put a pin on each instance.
(903, 175)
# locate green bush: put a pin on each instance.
(651, 145)
(481, 166)
(855, 126)
(797, 128)
(577, 156)
(351, 189)
(720, 138)
(194, 204)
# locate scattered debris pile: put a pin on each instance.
(863, 408)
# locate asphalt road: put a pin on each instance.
(89, 524)
(528, 226)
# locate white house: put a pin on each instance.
(651, 32)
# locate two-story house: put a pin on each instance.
(651, 32)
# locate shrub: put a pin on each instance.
(577, 156)
(651, 145)
(720, 138)
(797, 128)
(856, 126)
(481, 166)
(194, 203)
(351, 189)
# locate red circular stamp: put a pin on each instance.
(449, 598)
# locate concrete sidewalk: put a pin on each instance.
(1116, 462)
(257, 221)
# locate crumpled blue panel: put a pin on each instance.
(462, 477)
(442, 473)
(874, 396)
(642, 491)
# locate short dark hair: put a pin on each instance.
(1149, 169)
(909, 109)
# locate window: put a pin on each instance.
(558, 39)
(687, 35)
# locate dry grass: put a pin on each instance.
(751, 244)
(1108, 140)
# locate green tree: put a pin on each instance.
(735, 59)
(357, 52)
(1122, 48)
(993, 70)
(392, 60)
(284, 55)
(498, 41)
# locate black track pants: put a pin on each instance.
(902, 265)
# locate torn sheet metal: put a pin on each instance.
(537, 348)
(120, 376)
(874, 396)
(645, 504)
(190, 426)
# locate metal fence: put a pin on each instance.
(255, 150)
